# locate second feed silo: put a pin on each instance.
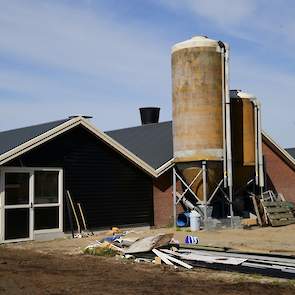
(198, 126)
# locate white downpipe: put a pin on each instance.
(223, 120)
(256, 130)
(228, 136)
(259, 173)
(260, 153)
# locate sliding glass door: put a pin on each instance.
(17, 215)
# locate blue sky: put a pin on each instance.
(107, 58)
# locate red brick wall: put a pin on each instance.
(163, 200)
(280, 173)
(282, 177)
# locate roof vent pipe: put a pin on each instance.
(149, 115)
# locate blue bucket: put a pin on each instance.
(183, 219)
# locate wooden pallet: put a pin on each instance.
(278, 212)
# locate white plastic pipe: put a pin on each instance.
(228, 136)
(223, 120)
(259, 173)
(260, 152)
(256, 140)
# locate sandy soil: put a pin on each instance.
(58, 267)
(267, 239)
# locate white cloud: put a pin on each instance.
(84, 59)
(76, 39)
(89, 43)
(223, 12)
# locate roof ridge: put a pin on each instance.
(142, 126)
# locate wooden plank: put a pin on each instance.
(249, 221)
(162, 256)
(275, 204)
(256, 210)
(288, 215)
(174, 260)
(277, 209)
(282, 222)
(289, 218)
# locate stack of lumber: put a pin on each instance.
(278, 212)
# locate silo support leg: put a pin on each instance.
(231, 206)
(204, 169)
(174, 197)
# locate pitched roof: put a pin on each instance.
(149, 146)
(15, 137)
(291, 151)
(283, 153)
(152, 142)
(14, 143)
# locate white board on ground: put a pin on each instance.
(177, 261)
(207, 258)
(162, 256)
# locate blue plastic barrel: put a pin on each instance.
(183, 219)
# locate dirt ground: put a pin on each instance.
(59, 267)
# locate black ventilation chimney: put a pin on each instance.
(149, 115)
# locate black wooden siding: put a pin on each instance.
(112, 190)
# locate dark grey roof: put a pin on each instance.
(291, 151)
(13, 138)
(152, 142)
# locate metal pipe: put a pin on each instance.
(228, 137)
(186, 190)
(204, 169)
(174, 197)
(188, 204)
(259, 171)
(215, 191)
(256, 141)
(186, 185)
(260, 153)
(223, 118)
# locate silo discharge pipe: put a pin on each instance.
(228, 181)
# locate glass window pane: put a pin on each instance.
(46, 217)
(46, 187)
(16, 188)
(17, 223)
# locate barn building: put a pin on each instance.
(120, 177)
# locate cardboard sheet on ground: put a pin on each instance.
(149, 243)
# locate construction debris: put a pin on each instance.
(149, 243)
(103, 249)
(161, 248)
(249, 221)
(272, 209)
(278, 213)
(191, 240)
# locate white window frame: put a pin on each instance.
(31, 171)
